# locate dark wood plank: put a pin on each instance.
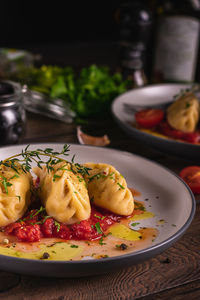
(190, 291)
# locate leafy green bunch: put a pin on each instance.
(88, 93)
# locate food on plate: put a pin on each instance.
(108, 189)
(75, 208)
(149, 118)
(191, 175)
(15, 192)
(179, 121)
(183, 114)
(63, 193)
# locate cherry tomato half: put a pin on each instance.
(191, 175)
(149, 118)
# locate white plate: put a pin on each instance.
(151, 95)
(169, 198)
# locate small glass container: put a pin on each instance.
(12, 113)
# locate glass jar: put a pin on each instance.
(12, 113)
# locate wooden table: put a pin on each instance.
(174, 274)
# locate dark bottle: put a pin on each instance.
(177, 41)
(135, 30)
(12, 113)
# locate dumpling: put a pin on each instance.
(183, 114)
(64, 193)
(15, 196)
(108, 189)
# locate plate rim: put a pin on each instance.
(172, 239)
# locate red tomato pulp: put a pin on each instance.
(37, 224)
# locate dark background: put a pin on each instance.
(27, 23)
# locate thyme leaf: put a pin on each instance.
(27, 157)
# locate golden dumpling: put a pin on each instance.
(64, 193)
(14, 194)
(183, 114)
(108, 189)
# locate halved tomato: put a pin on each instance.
(191, 175)
(149, 118)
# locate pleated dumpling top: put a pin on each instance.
(15, 196)
(183, 114)
(64, 194)
(108, 189)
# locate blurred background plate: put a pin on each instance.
(146, 96)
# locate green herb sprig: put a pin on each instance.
(27, 157)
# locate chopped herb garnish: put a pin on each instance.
(101, 241)
(121, 186)
(15, 176)
(74, 246)
(98, 228)
(42, 209)
(5, 183)
(98, 217)
(111, 175)
(57, 225)
(97, 176)
(43, 220)
(134, 224)
(63, 168)
(56, 176)
(139, 206)
(80, 179)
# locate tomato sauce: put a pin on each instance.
(36, 224)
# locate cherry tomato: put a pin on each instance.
(149, 118)
(191, 175)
